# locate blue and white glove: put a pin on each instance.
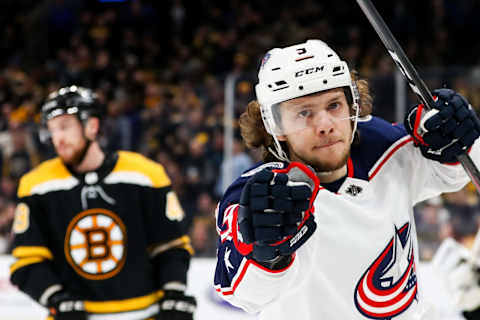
(447, 130)
(460, 268)
(464, 281)
(276, 214)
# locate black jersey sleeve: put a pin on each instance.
(32, 270)
(169, 245)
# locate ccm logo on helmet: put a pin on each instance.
(308, 71)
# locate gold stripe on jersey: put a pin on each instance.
(179, 243)
(50, 175)
(132, 167)
(123, 305)
(29, 255)
(33, 251)
(20, 263)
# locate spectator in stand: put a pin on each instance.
(7, 212)
(203, 227)
(240, 162)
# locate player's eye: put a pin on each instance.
(304, 113)
(334, 106)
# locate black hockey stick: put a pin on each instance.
(411, 75)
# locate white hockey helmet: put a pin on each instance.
(295, 71)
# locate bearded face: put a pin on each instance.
(68, 138)
(325, 139)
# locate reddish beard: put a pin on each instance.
(77, 156)
(321, 165)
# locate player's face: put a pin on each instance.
(325, 142)
(67, 137)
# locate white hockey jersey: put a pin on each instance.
(361, 261)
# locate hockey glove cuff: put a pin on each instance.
(63, 306)
(175, 305)
(275, 216)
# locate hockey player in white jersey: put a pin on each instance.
(323, 227)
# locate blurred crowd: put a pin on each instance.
(160, 68)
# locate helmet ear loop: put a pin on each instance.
(83, 118)
(44, 136)
(355, 107)
(278, 153)
(354, 118)
(269, 125)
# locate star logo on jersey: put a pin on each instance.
(353, 190)
(226, 258)
(389, 286)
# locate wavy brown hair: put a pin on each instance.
(255, 136)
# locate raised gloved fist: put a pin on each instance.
(447, 130)
(175, 305)
(275, 215)
(63, 306)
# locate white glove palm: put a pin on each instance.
(462, 274)
(463, 280)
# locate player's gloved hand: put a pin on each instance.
(447, 130)
(465, 281)
(63, 306)
(462, 274)
(175, 305)
(275, 215)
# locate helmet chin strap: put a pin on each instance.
(355, 120)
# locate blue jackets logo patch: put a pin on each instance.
(389, 286)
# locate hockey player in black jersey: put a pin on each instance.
(98, 235)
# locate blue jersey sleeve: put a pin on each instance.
(229, 259)
(376, 137)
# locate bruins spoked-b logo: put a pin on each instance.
(95, 244)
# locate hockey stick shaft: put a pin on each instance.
(411, 75)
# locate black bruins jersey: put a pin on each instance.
(111, 237)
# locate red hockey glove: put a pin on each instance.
(446, 131)
(275, 215)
